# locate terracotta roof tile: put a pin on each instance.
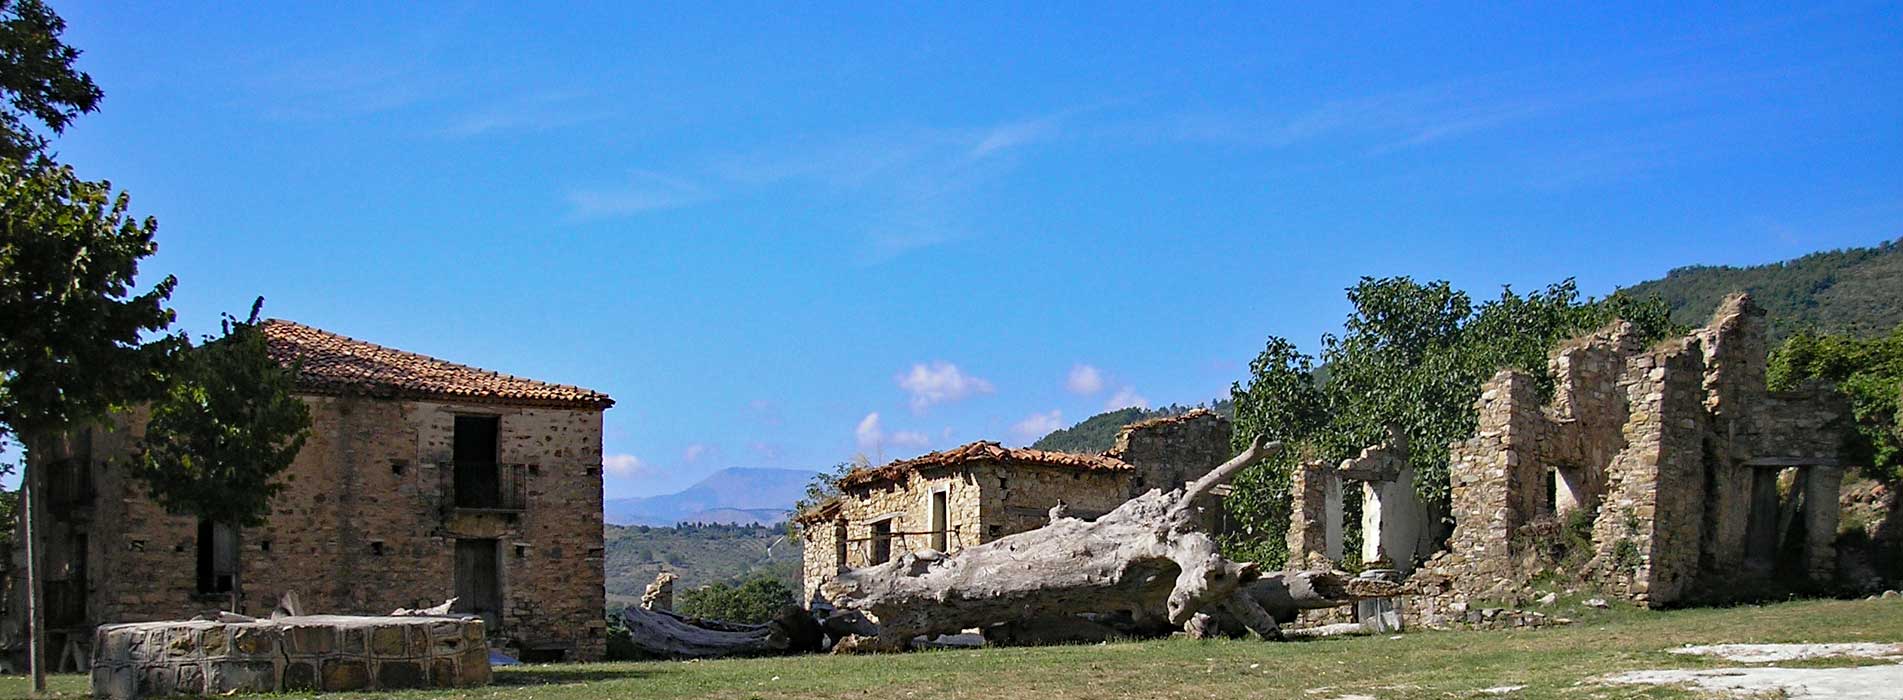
(1184, 417)
(983, 450)
(329, 363)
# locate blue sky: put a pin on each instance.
(757, 226)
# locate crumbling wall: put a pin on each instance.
(1675, 451)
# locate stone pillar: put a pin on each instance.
(1393, 520)
(1821, 512)
(1315, 514)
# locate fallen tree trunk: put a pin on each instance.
(1282, 595)
(663, 634)
(1145, 558)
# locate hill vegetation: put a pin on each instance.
(1099, 432)
(700, 554)
(1855, 291)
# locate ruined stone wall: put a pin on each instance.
(363, 525)
(1172, 451)
(1649, 530)
(985, 500)
(1668, 447)
(907, 506)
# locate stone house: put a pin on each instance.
(979, 492)
(421, 480)
(1692, 481)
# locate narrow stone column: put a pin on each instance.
(1821, 492)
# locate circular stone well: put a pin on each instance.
(288, 654)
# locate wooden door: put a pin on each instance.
(478, 580)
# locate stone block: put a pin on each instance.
(344, 675)
(191, 680)
(158, 681)
(257, 641)
(389, 641)
(442, 673)
(393, 675)
(213, 642)
(310, 639)
(240, 676)
(301, 676)
(474, 667)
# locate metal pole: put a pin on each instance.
(35, 624)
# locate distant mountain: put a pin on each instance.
(1855, 290)
(1099, 432)
(735, 495)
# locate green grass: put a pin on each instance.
(1553, 663)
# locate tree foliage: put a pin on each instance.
(758, 600)
(72, 345)
(227, 424)
(37, 79)
(1410, 355)
(1867, 370)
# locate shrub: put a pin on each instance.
(758, 600)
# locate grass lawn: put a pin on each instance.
(1551, 663)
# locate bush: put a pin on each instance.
(758, 600)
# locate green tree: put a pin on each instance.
(759, 599)
(71, 327)
(1410, 355)
(226, 425)
(1869, 371)
(37, 79)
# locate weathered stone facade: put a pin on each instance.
(327, 653)
(985, 491)
(1695, 477)
(373, 516)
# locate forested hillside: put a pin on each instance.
(1857, 291)
(1097, 433)
(699, 554)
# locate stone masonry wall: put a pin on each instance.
(985, 500)
(1667, 447)
(363, 525)
(294, 654)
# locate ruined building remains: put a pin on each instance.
(969, 495)
(1695, 481)
(421, 480)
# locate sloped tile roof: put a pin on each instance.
(983, 451)
(328, 363)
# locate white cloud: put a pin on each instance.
(909, 438)
(626, 466)
(869, 434)
(694, 452)
(1084, 380)
(941, 382)
(1038, 425)
(1125, 398)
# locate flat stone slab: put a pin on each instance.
(326, 653)
(1772, 653)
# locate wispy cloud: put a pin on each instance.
(1126, 397)
(1084, 380)
(1037, 425)
(625, 466)
(540, 111)
(644, 191)
(695, 452)
(905, 189)
(940, 382)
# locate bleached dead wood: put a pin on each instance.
(1145, 558)
(666, 635)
